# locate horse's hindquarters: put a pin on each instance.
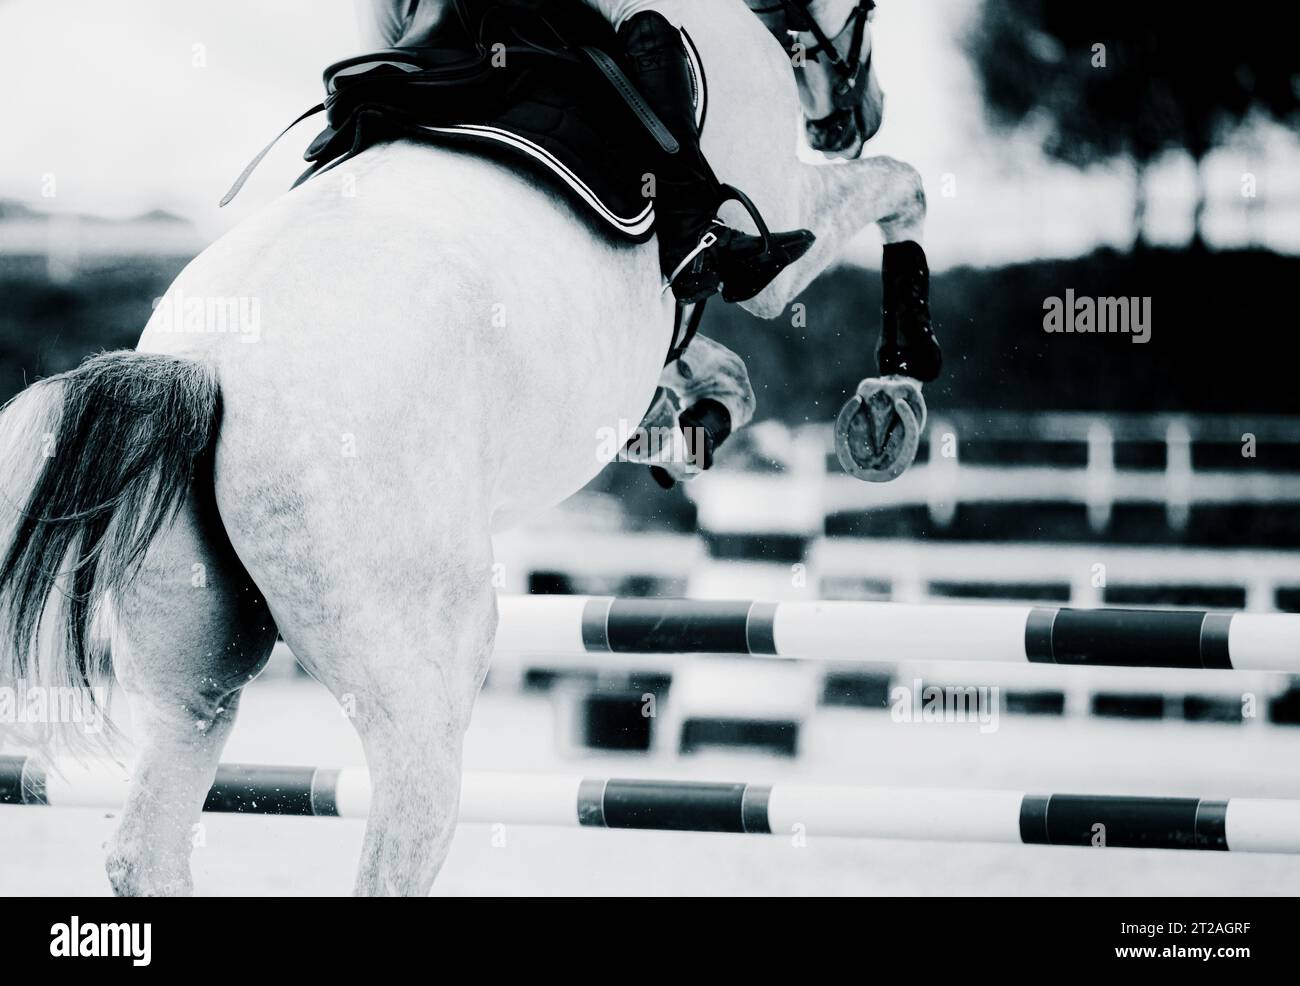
(432, 353)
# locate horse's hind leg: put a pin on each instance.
(190, 632)
(420, 694)
(384, 592)
(407, 668)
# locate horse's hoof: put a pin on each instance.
(898, 385)
(879, 430)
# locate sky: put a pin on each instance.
(133, 105)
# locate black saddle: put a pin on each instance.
(541, 93)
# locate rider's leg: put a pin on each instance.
(380, 22)
(395, 23)
(696, 250)
(619, 11)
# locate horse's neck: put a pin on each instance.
(753, 103)
(771, 13)
(832, 15)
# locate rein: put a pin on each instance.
(848, 70)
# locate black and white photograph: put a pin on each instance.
(650, 448)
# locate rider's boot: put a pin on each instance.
(699, 253)
(908, 346)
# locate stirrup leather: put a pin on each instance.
(707, 241)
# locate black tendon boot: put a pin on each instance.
(699, 254)
(907, 342)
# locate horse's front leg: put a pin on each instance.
(704, 396)
(878, 430)
(837, 202)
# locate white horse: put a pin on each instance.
(337, 475)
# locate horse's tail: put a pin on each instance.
(93, 464)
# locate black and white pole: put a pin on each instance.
(573, 626)
(914, 814)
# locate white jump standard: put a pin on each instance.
(917, 814)
(573, 626)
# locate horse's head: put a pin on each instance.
(843, 103)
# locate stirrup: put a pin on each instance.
(732, 194)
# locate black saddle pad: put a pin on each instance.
(545, 108)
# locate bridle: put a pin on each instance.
(848, 70)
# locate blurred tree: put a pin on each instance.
(1114, 78)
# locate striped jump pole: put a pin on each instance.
(914, 814)
(574, 626)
